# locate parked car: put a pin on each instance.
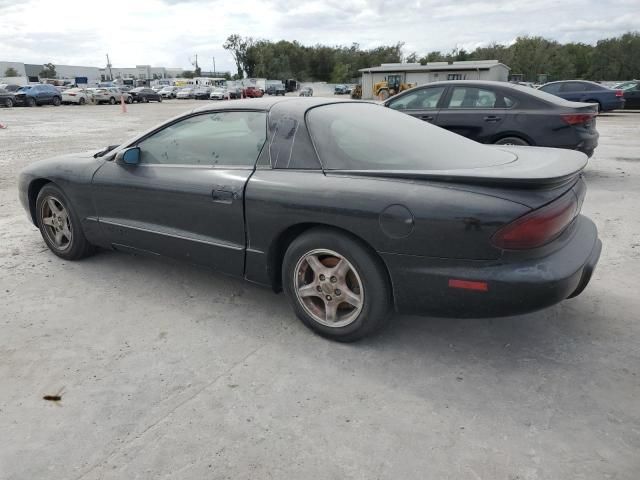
(341, 90)
(144, 95)
(201, 93)
(631, 91)
(588, 92)
(169, 92)
(79, 96)
(185, 93)
(234, 90)
(218, 93)
(252, 92)
(10, 87)
(7, 99)
(276, 89)
(32, 95)
(110, 95)
(157, 88)
(430, 222)
(502, 113)
(306, 92)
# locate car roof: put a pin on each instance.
(264, 103)
(578, 81)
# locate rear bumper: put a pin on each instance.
(617, 104)
(421, 284)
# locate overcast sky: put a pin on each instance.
(170, 32)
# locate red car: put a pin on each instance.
(253, 92)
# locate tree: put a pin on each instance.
(187, 74)
(197, 72)
(238, 47)
(10, 72)
(48, 71)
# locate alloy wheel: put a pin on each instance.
(329, 288)
(57, 223)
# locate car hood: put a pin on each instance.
(529, 167)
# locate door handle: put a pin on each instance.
(492, 118)
(428, 118)
(223, 196)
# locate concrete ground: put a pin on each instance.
(169, 371)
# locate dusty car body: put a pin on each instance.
(304, 195)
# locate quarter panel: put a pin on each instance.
(448, 222)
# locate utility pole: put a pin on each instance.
(214, 66)
(109, 67)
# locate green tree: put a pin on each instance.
(10, 72)
(187, 74)
(48, 71)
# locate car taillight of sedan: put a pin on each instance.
(619, 93)
(579, 118)
(540, 226)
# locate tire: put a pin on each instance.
(8, 102)
(60, 226)
(159, 99)
(82, 101)
(129, 100)
(318, 288)
(56, 101)
(112, 101)
(384, 94)
(145, 100)
(30, 102)
(512, 141)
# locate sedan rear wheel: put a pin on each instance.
(59, 225)
(82, 101)
(337, 287)
(56, 101)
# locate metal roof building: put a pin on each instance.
(433, 72)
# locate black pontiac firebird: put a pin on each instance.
(351, 208)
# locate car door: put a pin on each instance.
(185, 197)
(422, 103)
(474, 112)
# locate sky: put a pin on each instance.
(169, 33)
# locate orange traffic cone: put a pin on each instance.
(122, 104)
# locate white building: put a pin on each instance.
(433, 72)
(139, 72)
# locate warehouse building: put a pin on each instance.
(433, 72)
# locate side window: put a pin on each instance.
(454, 76)
(508, 102)
(471, 97)
(553, 88)
(212, 139)
(419, 99)
(573, 87)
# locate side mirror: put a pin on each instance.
(130, 156)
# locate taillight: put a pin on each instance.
(577, 119)
(538, 227)
(619, 93)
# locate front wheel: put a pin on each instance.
(112, 101)
(8, 102)
(56, 101)
(159, 99)
(336, 285)
(59, 224)
(31, 102)
(82, 101)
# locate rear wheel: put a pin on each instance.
(336, 286)
(512, 141)
(31, 102)
(56, 101)
(145, 99)
(129, 100)
(82, 101)
(59, 225)
(112, 100)
(159, 99)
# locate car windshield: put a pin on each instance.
(627, 86)
(25, 88)
(139, 89)
(366, 136)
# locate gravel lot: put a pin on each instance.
(169, 371)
